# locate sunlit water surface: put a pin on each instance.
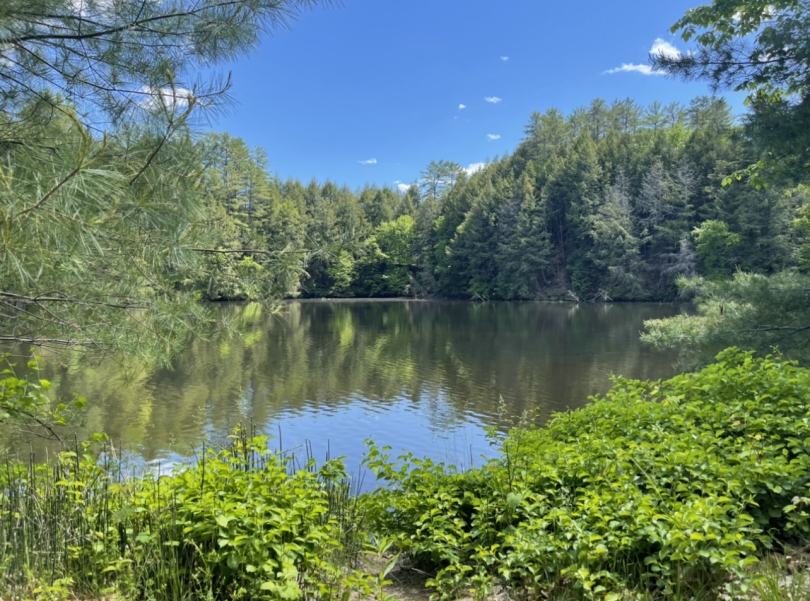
(426, 377)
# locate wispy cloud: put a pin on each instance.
(403, 187)
(461, 107)
(492, 99)
(494, 136)
(660, 47)
(632, 68)
(504, 58)
(368, 162)
(475, 168)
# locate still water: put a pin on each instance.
(427, 377)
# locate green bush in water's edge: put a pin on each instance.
(670, 488)
(240, 523)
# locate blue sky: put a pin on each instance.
(370, 92)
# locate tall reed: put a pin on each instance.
(238, 522)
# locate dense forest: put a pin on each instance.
(611, 202)
(117, 218)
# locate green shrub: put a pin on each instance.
(666, 488)
(239, 523)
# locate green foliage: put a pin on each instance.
(755, 311)
(386, 264)
(437, 178)
(616, 250)
(340, 272)
(759, 47)
(715, 247)
(238, 523)
(25, 405)
(666, 488)
(100, 206)
(752, 311)
(601, 204)
(117, 61)
(802, 225)
(255, 248)
(96, 236)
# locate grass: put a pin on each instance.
(240, 523)
(784, 577)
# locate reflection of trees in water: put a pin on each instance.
(446, 359)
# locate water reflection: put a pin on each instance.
(426, 376)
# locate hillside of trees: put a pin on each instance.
(611, 202)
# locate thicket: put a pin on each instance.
(242, 522)
(660, 489)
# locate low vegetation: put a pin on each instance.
(667, 489)
(241, 523)
(671, 489)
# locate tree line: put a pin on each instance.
(611, 202)
(115, 220)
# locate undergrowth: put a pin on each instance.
(690, 488)
(240, 523)
(669, 489)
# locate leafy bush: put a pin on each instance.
(240, 523)
(664, 488)
(25, 406)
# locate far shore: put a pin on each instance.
(401, 299)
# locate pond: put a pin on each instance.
(428, 377)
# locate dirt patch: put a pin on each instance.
(409, 583)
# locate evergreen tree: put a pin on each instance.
(101, 204)
(573, 197)
(477, 242)
(526, 255)
(615, 248)
(761, 48)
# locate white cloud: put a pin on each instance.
(663, 48)
(504, 58)
(494, 136)
(631, 68)
(660, 47)
(85, 8)
(475, 168)
(403, 187)
(170, 98)
(368, 162)
(461, 107)
(492, 99)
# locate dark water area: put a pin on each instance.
(426, 377)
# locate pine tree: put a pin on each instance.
(573, 196)
(530, 249)
(615, 247)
